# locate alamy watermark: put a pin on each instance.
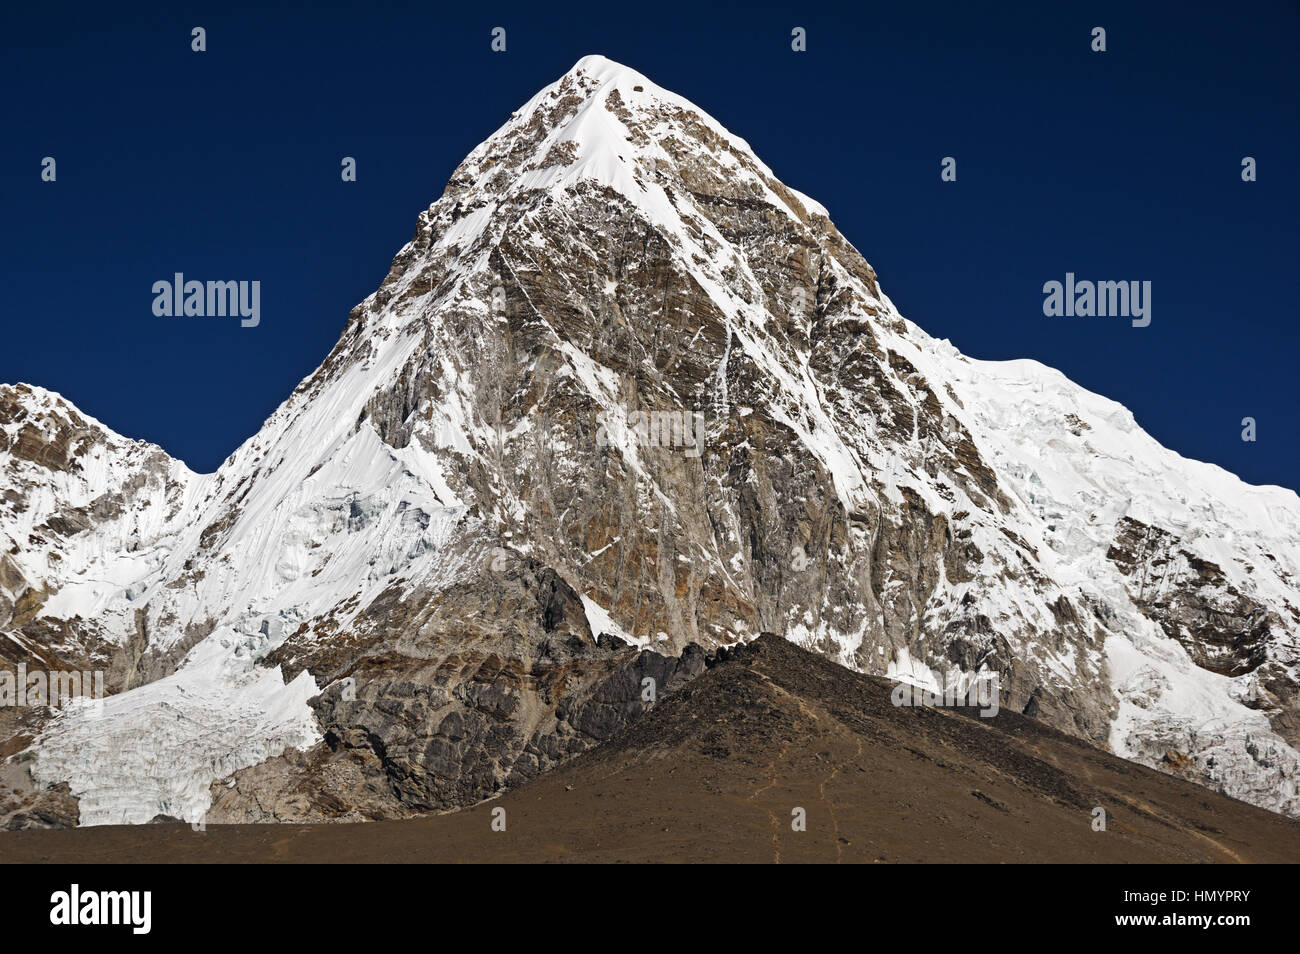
(194, 299)
(982, 692)
(41, 688)
(1087, 299)
(129, 908)
(669, 429)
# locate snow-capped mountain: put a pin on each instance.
(623, 381)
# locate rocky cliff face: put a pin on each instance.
(624, 382)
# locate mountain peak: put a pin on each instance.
(597, 118)
(624, 381)
(607, 126)
(602, 69)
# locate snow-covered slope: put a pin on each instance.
(1202, 622)
(863, 489)
(87, 514)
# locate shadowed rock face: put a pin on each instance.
(1222, 630)
(433, 737)
(623, 382)
(424, 710)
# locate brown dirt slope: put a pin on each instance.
(714, 773)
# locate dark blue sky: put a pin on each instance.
(225, 165)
